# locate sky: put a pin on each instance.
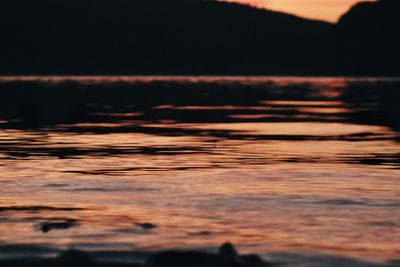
(329, 10)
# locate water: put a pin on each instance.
(275, 165)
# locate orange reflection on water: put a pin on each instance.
(324, 186)
(324, 110)
(303, 103)
(292, 128)
(217, 107)
(249, 192)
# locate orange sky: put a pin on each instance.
(329, 10)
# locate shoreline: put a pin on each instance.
(227, 256)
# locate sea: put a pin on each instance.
(303, 171)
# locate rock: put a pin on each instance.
(184, 259)
(146, 226)
(228, 251)
(61, 225)
(74, 258)
(226, 257)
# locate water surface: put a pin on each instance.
(272, 164)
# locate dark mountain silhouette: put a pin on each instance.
(157, 37)
(192, 37)
(367, 38)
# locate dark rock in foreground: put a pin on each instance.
(146, 226)
(226, 257)
(74, 258)
(46, 227)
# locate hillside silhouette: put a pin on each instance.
(367, 40)
(158, 36)
(191, 37)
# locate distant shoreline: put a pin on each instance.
(163, 75)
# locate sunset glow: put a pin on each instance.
(329, 10)
(246, 133)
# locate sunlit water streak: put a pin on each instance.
(278, 175)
